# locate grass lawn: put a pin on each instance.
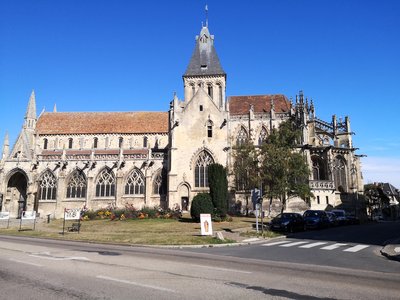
(139, 231)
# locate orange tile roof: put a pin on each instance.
(239, 105)
(102, 122)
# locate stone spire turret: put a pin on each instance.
(30, 116)
(6, 148)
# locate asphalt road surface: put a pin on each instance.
(45, 269)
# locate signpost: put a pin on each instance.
(205, 224)
(5, 215)
(72, 214)
(28, 215)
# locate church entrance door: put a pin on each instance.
(16, 190)
(184, 196)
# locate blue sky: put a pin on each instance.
(130, 56)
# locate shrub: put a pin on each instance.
(218, 188)
(201, 204)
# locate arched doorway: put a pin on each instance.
(184, 197)
(17, 193)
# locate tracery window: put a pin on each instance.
(339, 173)
(135, 183)
(241, 137)
(47, 186)
(76, 187)
(263, 136)
(105, 184)
(159, 184)
(201, 169)
(318, 168)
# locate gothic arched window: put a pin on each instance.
(120, 142)
(70, 142)
(201, 170)
(263, 136)
(242, 136)
(105, 184)
(135, 183)
(210, 90)
(95, 142)
(76, 187)
(221, 102)
(318, 168)
(159, 184)
(339, 173)
(47, 186)
(45, 144)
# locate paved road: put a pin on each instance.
(356, 247)
(45, 269)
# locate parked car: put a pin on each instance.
(340, 216)
(332, 218)
(315, 219)
(289, 222)
(352, 220)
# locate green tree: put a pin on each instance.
(246, 168)
(375, 199)
(201, 204)
(284, 170)
(218, 184)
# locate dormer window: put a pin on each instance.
(203, 67)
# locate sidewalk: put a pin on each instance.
(392, 250)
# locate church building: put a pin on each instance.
(98, 159)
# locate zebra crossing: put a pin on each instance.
(327, 246)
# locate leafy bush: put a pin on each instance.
(201, 204)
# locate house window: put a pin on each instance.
(45, 143)
(95, 142)
(210, 90)
(105, 184)
(159, 184)
(47, 187)
(70, 142)
(135, 183)
(201, 169)
(76, 187)
(339, 173)
(241, 137)
(262, 137)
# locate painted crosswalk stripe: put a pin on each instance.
(276, 243)
(356, 248)
(313, 245)
(293, 244)
(334, 246)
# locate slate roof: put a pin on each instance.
(204, 59)
(102, 122)
(239, 105)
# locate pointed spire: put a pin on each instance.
(6, 147)
(204, 59)
(31, 110)
(55, 107)
(206, 9)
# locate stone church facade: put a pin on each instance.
(97, 159)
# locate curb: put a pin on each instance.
(390, 249)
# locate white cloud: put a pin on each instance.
(381, 169)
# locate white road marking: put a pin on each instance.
(135, 283)
(313, 245)
(275, 243)
(356, 248)
(293, 244)
(61, 258)
(221, 269)
(25, 262)
(334, 246)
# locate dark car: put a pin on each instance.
(315, 219)
(332, 219)
(289, 222)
